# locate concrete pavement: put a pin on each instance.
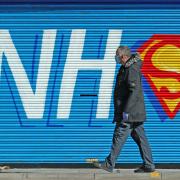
(85, 174)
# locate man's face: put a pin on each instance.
(119, 57)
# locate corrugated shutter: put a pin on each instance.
(36, 134)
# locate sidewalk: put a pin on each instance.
(86, 174)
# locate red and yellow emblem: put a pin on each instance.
(161, 68)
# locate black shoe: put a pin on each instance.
(144, 169)
(102, 166)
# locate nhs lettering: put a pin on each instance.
(33, 102)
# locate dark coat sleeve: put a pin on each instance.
(132, 82)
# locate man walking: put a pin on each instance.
(129, 112)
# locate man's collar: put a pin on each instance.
(130, 61)
(127, 62)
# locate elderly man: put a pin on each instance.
(129, 111)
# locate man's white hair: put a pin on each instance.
(125, 50)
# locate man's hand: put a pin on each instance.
(125, 116)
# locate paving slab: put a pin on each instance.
(86, 174)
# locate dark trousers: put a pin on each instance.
(121, 133)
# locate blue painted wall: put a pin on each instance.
(82, 135)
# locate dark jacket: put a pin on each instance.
(128, 92)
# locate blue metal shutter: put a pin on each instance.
(83, 136)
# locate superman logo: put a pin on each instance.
(161, 68)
